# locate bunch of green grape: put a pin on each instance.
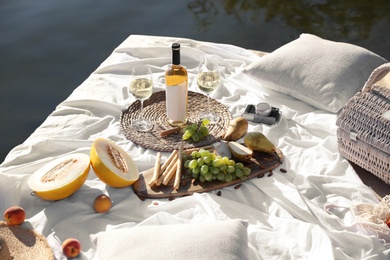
(206, 166)
(196, 132)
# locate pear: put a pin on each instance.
(223, 150)
(258, 142)
(240, 152)
(236, 129)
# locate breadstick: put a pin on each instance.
(170, 173)
(157, 169)
(171, 161)
(170, 166)
(176, 185)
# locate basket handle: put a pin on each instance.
(380, 75)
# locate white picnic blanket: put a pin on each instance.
(285, 212)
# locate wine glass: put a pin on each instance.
(141, 87)
(208, 81)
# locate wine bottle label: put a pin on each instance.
(176, 100)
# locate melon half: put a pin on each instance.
(113, 165)
(61, 177)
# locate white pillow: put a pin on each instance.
(322, 73)
(212, 240)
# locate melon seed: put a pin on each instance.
(116, 159)
(58, 171)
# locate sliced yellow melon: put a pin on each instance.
(113, 165)
(61, 177)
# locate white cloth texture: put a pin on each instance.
(369, 218)
(212, 240)
(285, 212)
(322, 73)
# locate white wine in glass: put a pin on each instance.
(141, 87)
(208, 81)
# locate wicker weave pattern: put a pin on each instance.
(155, 111)
(363, 115)
(364, 155)
(363, 133)
(381, 91)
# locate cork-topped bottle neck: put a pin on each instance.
(176, 53)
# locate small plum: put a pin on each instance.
(71, 247)
(14, 215)
(102, 203)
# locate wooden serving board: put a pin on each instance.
(260, 164)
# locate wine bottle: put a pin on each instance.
(176, 81)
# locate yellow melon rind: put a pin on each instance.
(104, 173)
(65, 191)
(73, 181)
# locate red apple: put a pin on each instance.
(71, 247)
(14, 215)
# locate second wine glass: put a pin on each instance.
(208, 80)
(141, 87)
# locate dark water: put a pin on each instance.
(49, 47)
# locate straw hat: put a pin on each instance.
(17, 242)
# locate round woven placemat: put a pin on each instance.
(17, 242)
(155, 111)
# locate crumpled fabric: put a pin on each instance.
(285, 212)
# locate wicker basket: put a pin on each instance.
(364, 125)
